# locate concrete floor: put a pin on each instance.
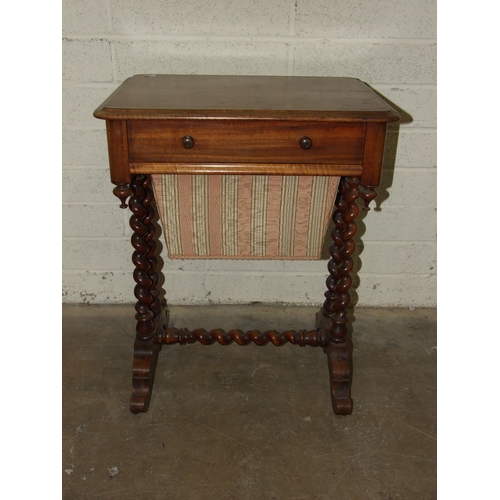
(249, 422)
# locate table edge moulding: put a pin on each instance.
(241, 126)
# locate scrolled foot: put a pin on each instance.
(143, 373)
(339, 367)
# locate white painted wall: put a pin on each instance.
(389, 44)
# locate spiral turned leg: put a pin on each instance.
(148, 305)
(334, 310)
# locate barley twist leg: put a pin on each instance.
(148, 304)
(338, 283)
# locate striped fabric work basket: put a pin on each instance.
(245, 216)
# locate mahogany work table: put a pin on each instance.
(208, 126)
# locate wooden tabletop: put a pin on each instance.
(245, 97)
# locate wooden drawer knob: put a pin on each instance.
(305, 142)
(187, 142)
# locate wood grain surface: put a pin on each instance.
(249, 141)
(270, 97)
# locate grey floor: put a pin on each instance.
(249, 422)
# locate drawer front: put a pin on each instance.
(245, 141)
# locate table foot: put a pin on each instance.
(143, 373)
(339, 367)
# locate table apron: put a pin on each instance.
(245, 169)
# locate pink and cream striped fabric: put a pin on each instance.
(245, 216)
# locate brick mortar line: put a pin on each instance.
(73, 271)
(86, 167)
(410, 85)
(402, 128)
(116, 37)
(109, 85)
(111, 203)
(372, 242)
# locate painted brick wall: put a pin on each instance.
(390, 44)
